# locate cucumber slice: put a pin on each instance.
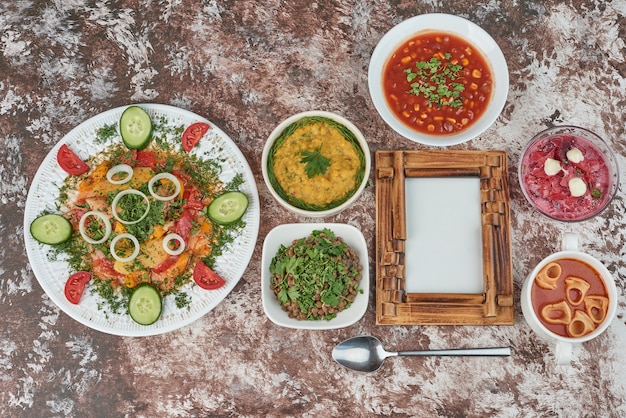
(135, 127)
(51, 229)
(228, 208)
(145, 304)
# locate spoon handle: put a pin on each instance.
(491, 351)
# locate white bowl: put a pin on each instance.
(442, 23)
(284, 235)
(279, 130)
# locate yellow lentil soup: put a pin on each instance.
(316, 164)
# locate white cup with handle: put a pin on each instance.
(562, 309)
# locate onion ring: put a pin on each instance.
(120, 168)
(135, 253)
(82, 227)
(124, 193)
(172, 237)
(166, 176)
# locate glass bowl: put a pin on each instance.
(568, 173)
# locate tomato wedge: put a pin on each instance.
(70, 162)
(75, 286)
(193, 133)
(207, 278)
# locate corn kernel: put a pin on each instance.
(464, 62)
(405, 59)
(431, 128)
(406, 114)
(465, 121)
(423, 116)
(476, 73)
(474, 86)
(451, 120)
(416, 107)
(438, 118)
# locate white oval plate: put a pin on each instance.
(451, 24)
(52, 274)
(284, 235)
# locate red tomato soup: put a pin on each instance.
(437, 83)
(557, 308)
(566, 177)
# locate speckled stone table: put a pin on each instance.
(246, 65)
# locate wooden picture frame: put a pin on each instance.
(396, 306)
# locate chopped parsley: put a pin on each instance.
(435, 81)
(105, 133)
(316, 163)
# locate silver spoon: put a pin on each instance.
(366, 353)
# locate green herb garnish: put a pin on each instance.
(315, 162)
(435, 80)
(105, 133)
(596, 193)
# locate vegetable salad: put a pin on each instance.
(144, 215)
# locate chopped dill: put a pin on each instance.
(182, 300)
(105, 133)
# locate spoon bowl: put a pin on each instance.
(366, 353)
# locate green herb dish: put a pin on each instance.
(316, 163)
(315, 276)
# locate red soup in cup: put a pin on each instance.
(568, 173)
(569, 298)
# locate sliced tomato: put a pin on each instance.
(207, 278)
(193, 133)
(169, 262)
(146, 159)
(193, 198)
(184, 224)
(104, 269)
(70, 162)
(75, 286)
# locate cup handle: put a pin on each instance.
(563, 353)
(570, 241)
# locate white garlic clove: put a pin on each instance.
(551, 166)
(575, 155)
(577, 186)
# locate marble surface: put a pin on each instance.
(246, 65)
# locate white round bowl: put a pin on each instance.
(439, 23)
(279, 130)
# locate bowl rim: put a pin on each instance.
(607, 152)
(337, 118)
(284, 234)
(463, 28)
